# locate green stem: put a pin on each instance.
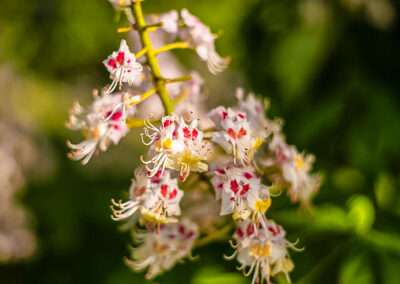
(171, 46)
(221, 234)
(159, 82)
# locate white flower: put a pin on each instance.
(170, 22)
(255, 111)
(176, 145)
(235, 135)
(102, 123)
(157, 199)
(162, 247)
(123, 67)
(201, 38)
(262, 251)
(303, 184)
(295, 169)
(241, 192)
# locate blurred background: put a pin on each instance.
(331, 70)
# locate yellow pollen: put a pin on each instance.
(151, 217)
(257, 143)
(260, 250)
(287, 265)
(166, 143)
(263, 205)
(159, 248)
(299, 162)
(188, 158)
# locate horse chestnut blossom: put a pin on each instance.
(236, 152)
(157, 197)
(176, 145)
(123, 67)
(103, 123)
(235, 135)
(241, 192)
(295, 170)
(163, 247)
(197, 35)
(263, 252)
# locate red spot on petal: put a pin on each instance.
(250, 229)
(120, 57)
(231, 133)
(190, 235)
(234, 186)
(242, 132)
(164, 190)
(275, 230)
(112, 63)
(239, 233)
(167, 123)
(241, 115)
(245, 189)
(224, 115)
(248, 175)
(195, 133)
(173, 194)
(186, 132)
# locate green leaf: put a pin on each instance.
(385, 191)
(356, 270)
(323, 218)
(361, 213)
(382, 241)
(348, 179)
(212, 275)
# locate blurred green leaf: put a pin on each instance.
(348, 179)
(356, 270)
(382, 241)
(323, 218)
(390, 267)
(211, 275)
(361, 213)
(385, 192)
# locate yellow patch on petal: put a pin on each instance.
(263, 205)
(257, 143)
(287, 265)
(299, 162)
(260, 250)
(241, 215)
(166, 143)
(151, 217)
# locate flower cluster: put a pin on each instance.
(190, 29)
(262, 251)
(163, 247)
(236, 152)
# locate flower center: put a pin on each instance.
(263, 205)
(299, 162)
(260, 250)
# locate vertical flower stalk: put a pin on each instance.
(159, 81)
